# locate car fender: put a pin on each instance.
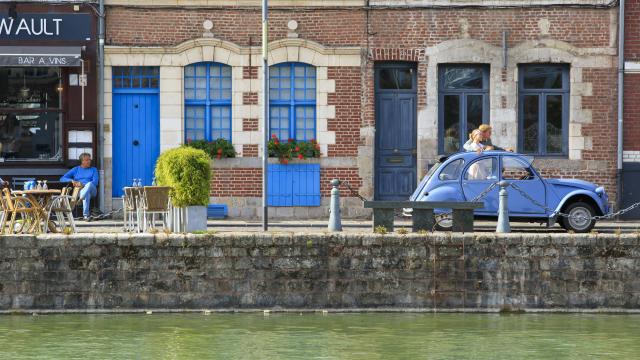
(445, 192)
(568, 196)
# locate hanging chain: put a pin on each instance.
(447, 215)
(352, 190)
(575, 217)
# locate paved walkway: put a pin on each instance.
(110, 226)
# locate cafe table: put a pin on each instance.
(42, 200)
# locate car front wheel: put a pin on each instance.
(580, 218)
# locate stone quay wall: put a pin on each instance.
(441, 271)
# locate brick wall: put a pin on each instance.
(631, 112)
(347, 100)
(420, 28)
(632, 30)
(146, 27)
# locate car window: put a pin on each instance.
(483, 169)
(514, 169)
(452, 170)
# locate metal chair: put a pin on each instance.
(130, 208)
(63, 210)
(154, 201)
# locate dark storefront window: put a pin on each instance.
(544, 109)
(463, 103)
(30, 114)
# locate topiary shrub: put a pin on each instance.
(187, 171)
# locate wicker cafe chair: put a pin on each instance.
(154, 200)
(20, 214)
(130, 208)
(62, 209)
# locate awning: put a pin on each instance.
(40, 56)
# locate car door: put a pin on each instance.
(518, 172)
(477, 177)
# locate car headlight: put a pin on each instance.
(600, 191)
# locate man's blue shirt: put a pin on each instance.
(82, 175)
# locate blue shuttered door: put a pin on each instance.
(136, 124)
(294, 185)
(136, 138)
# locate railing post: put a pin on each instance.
(503, 209)
(334, 208)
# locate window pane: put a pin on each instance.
(194, 119)
(462, 78)
(189, 83)
(189, 70)
(513, 169)
(554, 124)
(220, 122)
(201, 71)
(397, 79)
(305, 120)
(474, 112)
(530, 119)
(485, 169)
(30, 136)
(279, 121)
(543, 77)
(452, 171)
(451, 123)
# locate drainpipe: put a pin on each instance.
(620, 101)
(101, 103)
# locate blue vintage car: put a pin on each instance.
(463, 176)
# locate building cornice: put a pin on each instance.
(362, 3)
(236, 3)
(489, 3)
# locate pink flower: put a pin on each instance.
(290, 140)
(300, 156)
(297, 148)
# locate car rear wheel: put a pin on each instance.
(444, 222)
(580, 217)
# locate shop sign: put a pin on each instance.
(39, 60)
(45, 26)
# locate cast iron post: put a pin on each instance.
(334, 208)
(503, 209)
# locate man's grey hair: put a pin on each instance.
(84, 155)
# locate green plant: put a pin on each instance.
(186, 170)
(402, 231)
(423, 232)
(286, 150)
(220, 148)
(382, 230)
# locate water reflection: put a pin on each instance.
(314, 336)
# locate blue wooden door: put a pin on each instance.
(395, 161)
(136, 137)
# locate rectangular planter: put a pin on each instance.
(188, 219)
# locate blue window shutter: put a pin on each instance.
(293, 185)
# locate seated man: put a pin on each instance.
(86, 177)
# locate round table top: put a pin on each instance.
(38, 192)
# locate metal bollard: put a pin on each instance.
(334, 208)
(503, 209)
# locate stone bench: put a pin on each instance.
(422, 214)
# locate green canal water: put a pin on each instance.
(317, 336)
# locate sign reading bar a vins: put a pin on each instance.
(39, 60)
(46, 26)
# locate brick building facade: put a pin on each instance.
(353, 47)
